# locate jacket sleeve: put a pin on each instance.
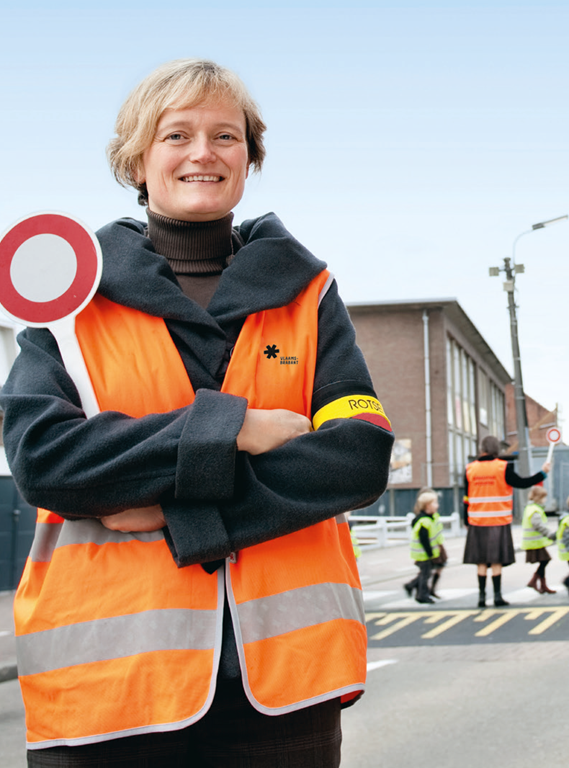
(513, 479)
(341, 466)
(425, 541)
(539, 526)
(82, 467)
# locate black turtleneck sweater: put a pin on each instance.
(197, 251)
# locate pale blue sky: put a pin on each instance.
(407, 146)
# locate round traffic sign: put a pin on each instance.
(50, 268)
(553, 435)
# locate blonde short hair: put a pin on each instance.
(537, 493)
(177, 84)
(423, 500)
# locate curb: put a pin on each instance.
(8, 672)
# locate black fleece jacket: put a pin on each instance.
(215, 498)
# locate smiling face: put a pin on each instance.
(196, 166)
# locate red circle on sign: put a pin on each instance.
(87, 255)
(553, 435)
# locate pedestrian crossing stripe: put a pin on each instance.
(493, 619)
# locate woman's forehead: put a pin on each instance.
(220, 109)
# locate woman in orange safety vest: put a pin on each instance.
(488, 504)
(191, 596)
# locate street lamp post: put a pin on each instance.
(511, 269)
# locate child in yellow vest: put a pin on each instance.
(563, 539)
(536, 537)
(425, 548)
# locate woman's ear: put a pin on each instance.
(139, 173)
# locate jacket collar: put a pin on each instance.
(269, 271)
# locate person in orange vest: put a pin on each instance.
(488, 505)
(192, 596)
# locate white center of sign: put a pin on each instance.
(43, 268)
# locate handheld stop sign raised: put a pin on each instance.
(50, 268)
(553, 437)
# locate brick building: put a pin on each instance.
(441, 385)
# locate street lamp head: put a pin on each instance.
(542, 224)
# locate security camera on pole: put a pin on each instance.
(512, 269)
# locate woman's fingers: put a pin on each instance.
(264, 430)
(139, 519)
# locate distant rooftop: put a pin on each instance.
(456, 315)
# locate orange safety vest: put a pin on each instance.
(490, 500)
(113, 639)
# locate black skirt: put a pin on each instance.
(540, 555)
(487, 544)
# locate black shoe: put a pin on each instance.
(432, 593)
(424, 600)
(482, 601)
(499, 601)
(408, 589)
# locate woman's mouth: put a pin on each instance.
(189, 179)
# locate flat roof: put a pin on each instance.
(456, 315)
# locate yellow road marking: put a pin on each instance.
(555, 615)
(405, 619)
(454, 618)
(502, 619)
(400, 619)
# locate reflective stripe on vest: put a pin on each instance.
(108, 648)
(490, 500)
(532, 539)
(417, 551)
(438, 529)
(562, 550)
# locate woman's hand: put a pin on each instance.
(264, 430)
(136, 520)
(546, 467)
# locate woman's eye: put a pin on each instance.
(175, 137)
(225, 137)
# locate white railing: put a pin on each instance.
(373, 532)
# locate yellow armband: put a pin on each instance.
(353, 407)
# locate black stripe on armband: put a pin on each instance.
(339, 389)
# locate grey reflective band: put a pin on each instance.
(117, 637)
(299, 608)
(45, 541)
(490, 499)
(341, 518)
(490, 513)
(50, 536)
(326, 287)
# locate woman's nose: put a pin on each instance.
(201, 150)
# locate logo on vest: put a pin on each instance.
(271, 351)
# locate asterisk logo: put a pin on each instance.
(271, 351)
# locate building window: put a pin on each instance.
(461, 408)
(496, 425)
(483, 387)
